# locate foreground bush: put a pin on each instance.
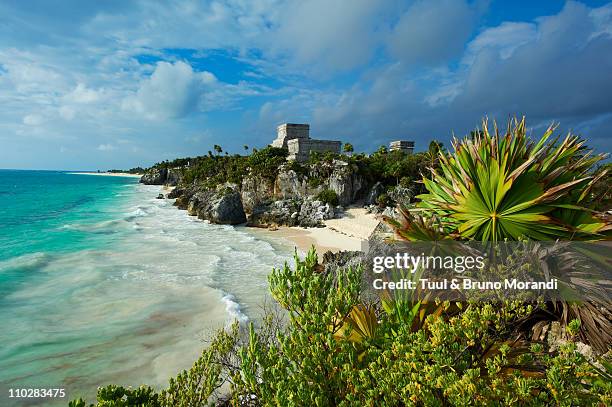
(338, 350)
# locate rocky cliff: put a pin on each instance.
(162, 176)
(290, 198)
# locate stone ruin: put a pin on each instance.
(402, 145)
(296, 139)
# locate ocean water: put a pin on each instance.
(102, 283)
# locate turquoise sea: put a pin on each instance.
(102, 283)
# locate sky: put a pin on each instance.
(87, 85)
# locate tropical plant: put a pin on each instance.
(507, 187)
(328, 196)
(348, 148)
(337, 351)
(495, 187)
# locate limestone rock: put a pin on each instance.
(221, 206)
(256, 191)
(288, 185)
(279, 212)
(174, 177)
(345, 182)
(314, 212)
(162, 176)
(154, 176)
(377, 190)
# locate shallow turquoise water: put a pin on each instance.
(100, 282)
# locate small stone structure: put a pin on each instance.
(296, 138)
(290, 131)
(300, 149)
(402, 145)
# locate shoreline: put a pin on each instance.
(348, 233)
(106, 174)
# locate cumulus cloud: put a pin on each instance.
(553, 69)
(431, 32)
(81, 94)
(559, 68)
(172, 91)
(90, 75)
(329, 34)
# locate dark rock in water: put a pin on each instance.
(160, 196)
(377, 190)
(221, 206)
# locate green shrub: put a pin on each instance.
(265, 162)
(328, 196)
(314, 182)
(384, 200)
(337, 351)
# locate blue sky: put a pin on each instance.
(116, 84)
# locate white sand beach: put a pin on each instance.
(345, 233)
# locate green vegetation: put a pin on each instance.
(328, 196)
(339, 350)
(383, 200)
(136, 170)
(216, 169)
(496, 187)
(343, 347)
(389, 168)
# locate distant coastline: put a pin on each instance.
(106, 174)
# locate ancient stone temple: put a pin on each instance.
(296, 138)
(402, 145)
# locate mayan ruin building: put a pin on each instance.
(402, 145)
(296, 139)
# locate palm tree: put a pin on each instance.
(217, 149)
(348, 148)
(433, 152)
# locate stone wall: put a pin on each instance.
(300, 149)
(402, 145)
(290, 131)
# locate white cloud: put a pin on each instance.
(172, 91)
(33, 120)
(431, 32)
(106, 147)
(505, 39)
(91, 74)
(328, 35)
(81, 94)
